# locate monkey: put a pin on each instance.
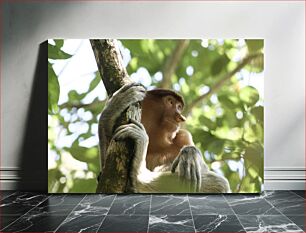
(166, 159)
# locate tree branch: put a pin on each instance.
(91, 106)
(110, 64)
(172, 62)
(115, 177)
(219, 84)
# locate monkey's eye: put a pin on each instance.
(170, 101)
(179, 107)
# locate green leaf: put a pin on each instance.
(254, 45)
(258, 112)
(228, 101)
(95, 82)
(59, 43)
(95, 108)
(249, 134)
(258, 184)
(83, 185)
(219, 64)
(207, 122)
(246, 185)
(150, 54)
(229, 119)
(84, 154)
(56, 53)
(53, 90)
(231, 156)
(254, 157)
(235, 146)
(249, 95)
(203, 137)
(258, 63)
(234, 181)
(75, 97)
(94, 167)
(53, 176)
(216, 146)
(85, 136)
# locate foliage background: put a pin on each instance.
(221, 81)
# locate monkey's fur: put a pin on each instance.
(186, 172)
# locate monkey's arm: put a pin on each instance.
(121, 99)
(146, 181)
(136, 131)
(167, 182)
(190, 166)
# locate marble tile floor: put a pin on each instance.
(272, 211)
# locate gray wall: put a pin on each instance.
(23, 70)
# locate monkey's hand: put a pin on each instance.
(190, 166)
(121, 100)
(136, 131)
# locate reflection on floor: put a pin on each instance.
(272, 211)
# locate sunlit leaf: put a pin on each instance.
(258, 63)
(219, 64)
(249, 95)
(247, 186)
(53, 90)
(83, 185)
(234, 181)
(229, 101)
(258, 112)
(203, 137)
(145, 51)
(55, 52)
(53, 180)
(254, 44)
(94, 167)
(229, 119)
(253, 132)
(84, 154)
(254, 157)
(75, 97)
(231, 156)
(59, 43)
(258, 184)
(235, 146)
(85, 135)
(95, 82)
(253, 172)
(216, 146)
(207, 122)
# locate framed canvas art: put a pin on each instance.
(155, 115)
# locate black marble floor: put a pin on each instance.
(272, 211)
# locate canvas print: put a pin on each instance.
(155, 115)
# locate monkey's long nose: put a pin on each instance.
(180, 117)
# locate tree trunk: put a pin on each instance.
(115, 175)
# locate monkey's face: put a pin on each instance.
(172, 117)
